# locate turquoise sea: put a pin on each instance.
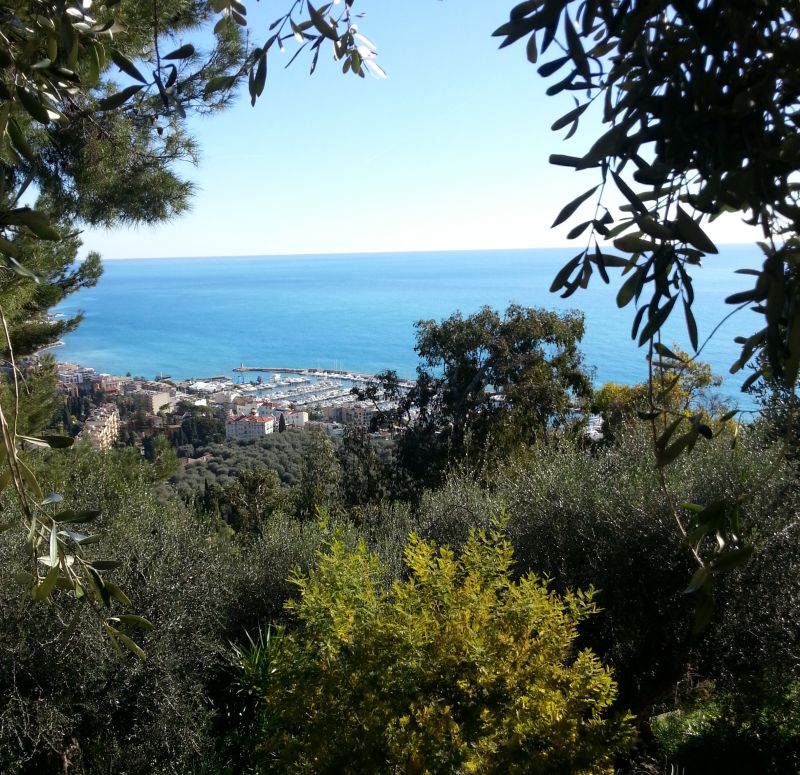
(203, 316)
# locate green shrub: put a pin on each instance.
(725, 734)
(599, 518)
(458, 668)
(67, 702)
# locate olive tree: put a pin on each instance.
(699, 102)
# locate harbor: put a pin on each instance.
(320, 373)
(325, 392)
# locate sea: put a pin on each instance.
(199, 317)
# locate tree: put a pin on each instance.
(93, 102)
(701, 101)
(458, 668)
(201, 426)
(255, 495)
(486, 381)
(363, 473)
(282, 424)
(319, 478)
(687, 385)
(165, 459)
(98, 151)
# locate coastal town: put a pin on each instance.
(129, 409)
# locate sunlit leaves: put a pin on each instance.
(33, 104)
(456, 628)
(329, 25)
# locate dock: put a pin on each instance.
(339, 374)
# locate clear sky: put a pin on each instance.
(449, 153)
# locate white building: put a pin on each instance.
(70, 374)
(102, 427)
(247, 428)
(292, 417)
(245, 406)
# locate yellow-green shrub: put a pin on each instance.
(458, 668)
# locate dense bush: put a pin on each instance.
(600, 518)
(458, 668)
(727, 733)
(67, 701)
(582, 517)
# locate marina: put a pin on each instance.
(311, 390)
(333, 373)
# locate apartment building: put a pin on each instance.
(248, 428)
(101, 427)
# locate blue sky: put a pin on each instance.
(449, 153)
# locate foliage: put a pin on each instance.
(100, 150)
(618, 403)
(690, 392)
(778, 407)
(93, 153)
(26, 304)
(38, 400)
(67, 702)
(597, 518)
(701, 102)
(320, 478)
(486, 381)
(721, 735)
(686, 386)
(220, 463)
(99, 143)
(458, 668)
(158, 451)
(364, 477)
(255, 495)
(199, 426)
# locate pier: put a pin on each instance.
(350, 375)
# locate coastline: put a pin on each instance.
(357, 312)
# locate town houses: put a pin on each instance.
(109, 409)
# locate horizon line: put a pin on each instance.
(366, 253)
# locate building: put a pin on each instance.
(244, 405)
(156, 399)
(76, 380)
(102, 427)
(358, 413)
(110, 384)
(249, 427)
(352, 413)
(293, 418)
